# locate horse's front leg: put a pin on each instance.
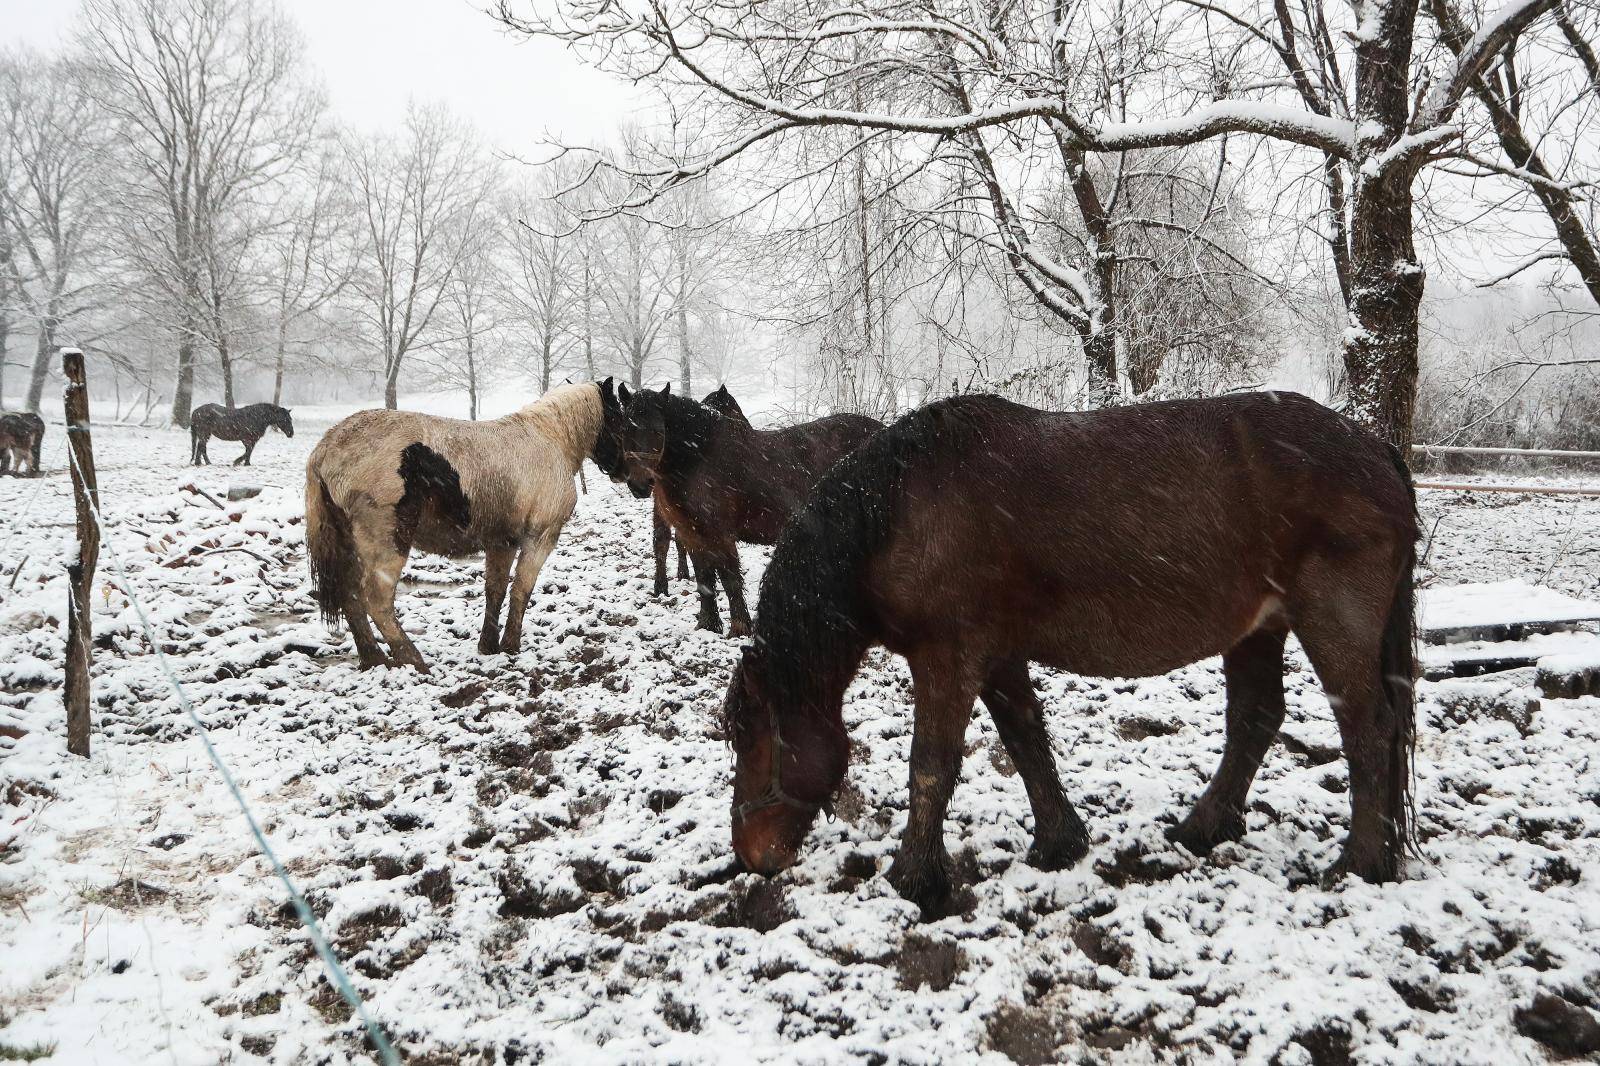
(728, 568)
(535, 550)
(249, 446)
(660, 542)
(944, 686)
(705, 583)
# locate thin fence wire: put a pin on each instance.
(302, 909)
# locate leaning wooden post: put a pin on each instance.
(80, 573)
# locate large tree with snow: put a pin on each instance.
(1362, 90)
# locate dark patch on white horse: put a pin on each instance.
(431, 482)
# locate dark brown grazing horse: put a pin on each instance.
(21, 438)
(976, 536)
(718, 481)
(720, 400)
(247, 424)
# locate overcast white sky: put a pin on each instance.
(374, 54)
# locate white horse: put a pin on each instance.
(382, 482)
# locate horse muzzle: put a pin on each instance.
(641, 489)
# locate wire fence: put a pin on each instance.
(302, 909)
(1528, 453)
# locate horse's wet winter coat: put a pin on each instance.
(976, 536)
(721, 401)
(718, 481)
(383, 482)
(246, 424)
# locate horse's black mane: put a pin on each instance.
(691, 426)
(812, 626)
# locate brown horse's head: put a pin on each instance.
(643, 437)
(787, 765)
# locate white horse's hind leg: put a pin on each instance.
(535, 550)
(377, 589)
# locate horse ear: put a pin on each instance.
(667, 389)
(623, 394)
(749, 661)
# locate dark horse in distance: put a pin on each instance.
(21, 439)
(722, 401)
(976, 536)
(247, 424)
(718, 481)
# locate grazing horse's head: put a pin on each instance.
(607, 450)
(643, 440)
(281, 419)
(787, 765)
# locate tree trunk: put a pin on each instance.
(685, 374)
(5, 343)
(41, 362)
(391, 388)
(545, 369)
(225, 358)
(183, 390)
(1380, 348)
(1100, 353)
(277, 374)
(472, 381)
(588, 322)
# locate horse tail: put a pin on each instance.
(330, 549)
(429, 479)
(1398, 668)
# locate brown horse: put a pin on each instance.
(720, 400)
(718, 481)
(976, 536)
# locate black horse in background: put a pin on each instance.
(21, 440)
(722, 402)
(246, 424)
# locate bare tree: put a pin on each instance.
(537, 287)
(469, 356)
(1553, 90)
(1027, 77)
(216, 107)
(308, 257)
(420, 197)
(53, 199)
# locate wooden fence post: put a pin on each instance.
(80, 574)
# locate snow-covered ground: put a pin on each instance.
(526, 859)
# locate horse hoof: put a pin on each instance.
(1057, 856)
(488, 645)
(511, 647)
(1375, 871)
(660, 589)
(739, 628)
(712, 624)
(930, 891)
(1199, 838)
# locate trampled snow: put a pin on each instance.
(526, 859)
